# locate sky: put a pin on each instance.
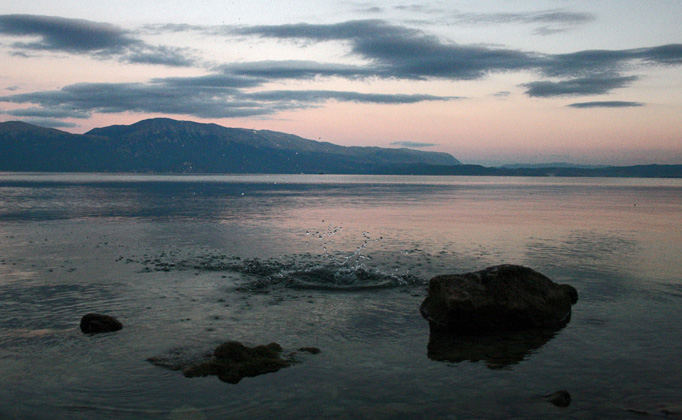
(490, 82)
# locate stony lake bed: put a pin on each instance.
(340, 264)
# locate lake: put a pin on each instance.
(340, 263)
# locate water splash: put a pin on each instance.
(334, 277)
(330, 270)
(355, 259)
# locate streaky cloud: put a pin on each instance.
(670, 54)
(49, 123)
(317, 96)
(355, 29)
(48, 113)
(162, 55)
(400, 52)
(371, 9)
(545, 16)
(64, 34)
(164, 28)
(419, 8)
(548, 30)
(79, 36)
(596, 85)
(412, 144)
(606, 104)
(552, 20)
(212, 81)
(394, 51)
(600, 61)
(209, 96)
(389, 51)
(143, 98)
(404, 53)
(299, 69)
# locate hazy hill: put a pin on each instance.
(166, 145)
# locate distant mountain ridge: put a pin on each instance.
(551, 165)
(635, 171)
(163, 145)
(166, 145)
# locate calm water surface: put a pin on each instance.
(340, 263)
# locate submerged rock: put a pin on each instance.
(560, 398)
(233, 361)
(98, 323)
(497, 299)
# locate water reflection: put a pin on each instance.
(70, 247)
(498, 351)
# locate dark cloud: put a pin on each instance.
(396, 51)
(670, 54)
(167, 56)
(553, 21)
(389, 51)
(586, 62)
(545, 17)
(599, 61)
(370, 9)
(596, 85)
(298, 69)
(318, 96)
(412, 144)
(400, 52)
(21, 54)
(54, 112)
(419, 8)
(61, 34)
(164, 28)
(77, 36)
(211, 96)
(49, 123)
(225, 82)
(144, 98)
(549, 30)
(358, 29)
(606, 104)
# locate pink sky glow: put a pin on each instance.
(491, 83)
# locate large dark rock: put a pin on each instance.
(497, 299)
(98, 323)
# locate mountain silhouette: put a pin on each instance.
(166, 145)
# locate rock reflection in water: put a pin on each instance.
(499, 351)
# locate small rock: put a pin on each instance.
(559, 398)
(640, 412)
(98, 323)
(311, 350)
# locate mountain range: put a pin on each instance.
(169, 146)
(163, 145)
